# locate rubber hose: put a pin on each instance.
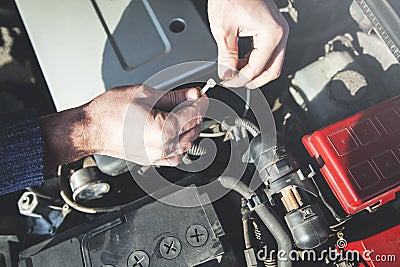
(268, 217)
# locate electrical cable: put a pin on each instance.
(212, 135)
(248, 125)
(247, 104)
(328, 206)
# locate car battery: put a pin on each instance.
(359, 156)
(181, 228)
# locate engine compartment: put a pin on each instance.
(328, 184)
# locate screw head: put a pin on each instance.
(138, 258)
(170, 247)
(197, 235)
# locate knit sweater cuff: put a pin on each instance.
(21, 151)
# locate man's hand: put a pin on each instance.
(137, 123)
(259, 19)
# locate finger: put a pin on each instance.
(271, 73)
(184, 142)
(166, 127)
(171, 161)
(188, 137)
(168, 100)
(186, 118)
(163, 130)
(227, 54)
(258, 59)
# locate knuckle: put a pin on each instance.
(257, 71)
(157, 137)
(159, 119)
(174, 98)
(172, 127)
(279, 31)
(217, 31)
(226, 55)
(166, 149)
(275, 75)
(253, 70)
(163, 152)
(189, 121)
(185, 147)
(166, 126)
(142, 92)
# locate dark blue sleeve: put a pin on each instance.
(21, 151)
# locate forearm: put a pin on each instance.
(66, 137)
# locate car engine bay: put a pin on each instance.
(313, 181)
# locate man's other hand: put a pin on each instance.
(259, 19)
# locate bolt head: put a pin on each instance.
(138, 258)
(197, 235)
(170, 247)
(28, 203)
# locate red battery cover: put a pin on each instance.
(360, 155)
(380, 250)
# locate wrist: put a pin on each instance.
(66, 137)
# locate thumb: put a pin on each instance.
(170, 99)
(227, 55)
